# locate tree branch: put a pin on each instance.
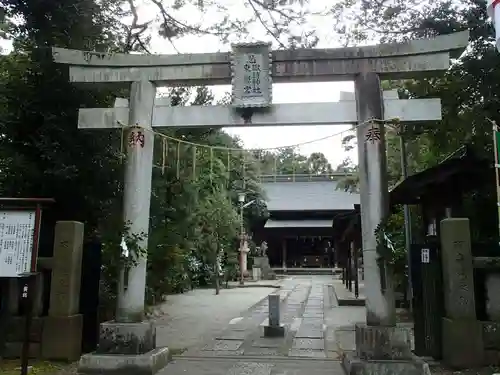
(259, 17)
(135, 30)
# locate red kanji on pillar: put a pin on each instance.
(136, 137)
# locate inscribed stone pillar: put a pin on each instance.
(374, 197)
(137, 198)
(66, 269)
(458, 279)
(462, 332)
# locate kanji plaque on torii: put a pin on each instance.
(251, 75)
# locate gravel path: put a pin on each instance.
(197, 315)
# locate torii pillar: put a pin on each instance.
(129, 343)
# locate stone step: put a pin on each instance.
(257, 365)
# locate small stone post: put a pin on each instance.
(462, 332)
(274, 329)
(62, 330)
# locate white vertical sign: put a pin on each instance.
(17, 229)
(426, 258)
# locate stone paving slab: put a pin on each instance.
(309, 334)
(309, 323)
(233, 335)
(224, 345)
(295, 324)
(239, 366)
(215, 353)
(240, 327)
(263, 352)
(312, 316)
(306, 353)
(333, 355)
(346, 297)
(264, 342)
(308, 344)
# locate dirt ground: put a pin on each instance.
(13, 367)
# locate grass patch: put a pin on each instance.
(13, 367)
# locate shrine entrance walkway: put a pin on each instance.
(312, 345)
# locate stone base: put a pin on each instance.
(356, 366)
(274, 331)
(266, 271)
(462, 343)
(383, 343)
(383, 350)
(142, 364)
(126, 338)
(62, 337)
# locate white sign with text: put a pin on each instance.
(426, 258)
(17, 229)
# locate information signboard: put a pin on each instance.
(17, 230)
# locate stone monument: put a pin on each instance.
(62, 330)
(262, 262)
(462, 332)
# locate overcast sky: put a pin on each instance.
(267, 137)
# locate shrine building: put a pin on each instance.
(299, 231)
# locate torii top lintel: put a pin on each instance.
(396, 60)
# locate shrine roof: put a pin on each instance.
(315, 195)
(461, 171)
(298, 223)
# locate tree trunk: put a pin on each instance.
(217, 280)
(217, 284)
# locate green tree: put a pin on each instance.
(318, 164)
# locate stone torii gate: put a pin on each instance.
(249, 68)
